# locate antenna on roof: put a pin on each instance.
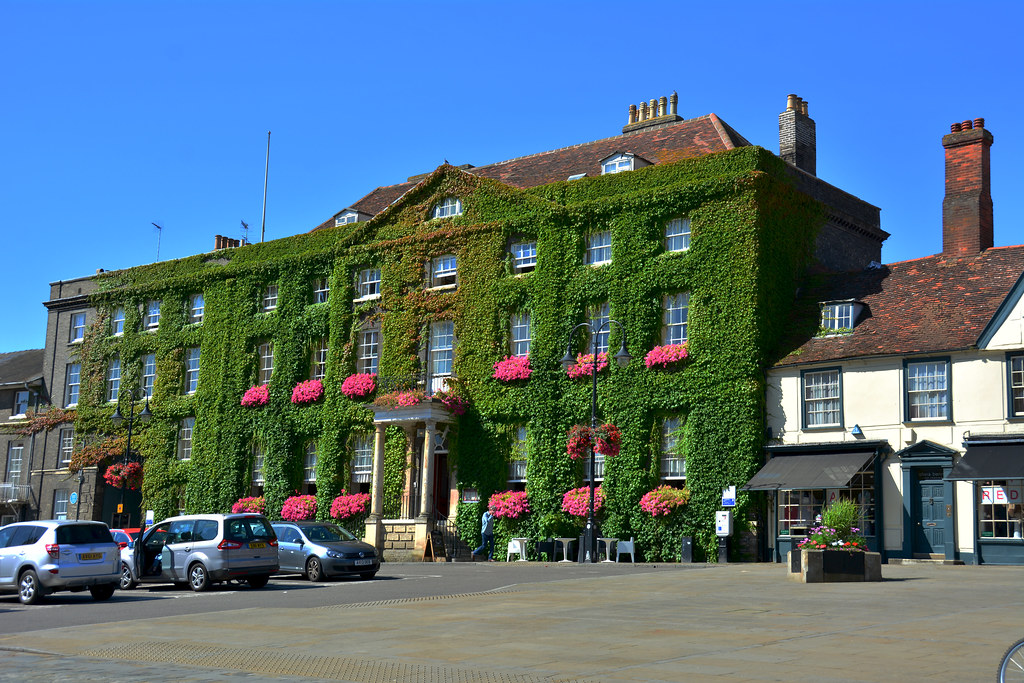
(266, 176)
(245, 233)
(159, 232)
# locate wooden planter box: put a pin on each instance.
(833, 566)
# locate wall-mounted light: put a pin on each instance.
(856, 431)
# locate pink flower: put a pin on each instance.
(353, 505)
(585, 365)
(664, 356)
(509, 504)
(453, 402)
(607, 440)
(250, 504)
(256, 396)
(663, 500)
(577, 501)
(299, 508)
(399, 398)
(120, 475)
(512, 368)
(308, 391)
(359, 385)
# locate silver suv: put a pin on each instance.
(38, 558)
(200, 550)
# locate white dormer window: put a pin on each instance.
(346, 217)
(599, 248)
(443, 271)
(617, 164)
(450, 206)
(839, 317)
(577, 176)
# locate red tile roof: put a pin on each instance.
(928, 305)
(659, 145)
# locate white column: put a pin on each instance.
(377, 495)
(427, 478)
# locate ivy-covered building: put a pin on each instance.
(678, 229)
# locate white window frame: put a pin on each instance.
(617, 164)
(15, 460)
(521, 334)
(258, 478)
(362, 459)
(677, 234)
(673, 458)
(269, 301)
(148, 379)
(196, 308)
(77, 333)
(72, 384)
(186, 432)
(519, 456)
(368, 286)
(192, 357)
(928, 390)
(21, 403)
(675, 317)
(61, 497)
(837, 318)
(346, 218)
(524, 256)
(442, 354)
(822, 398)
(444, 271)
(369, 350)
(67, 445)
(599, 248)
(266, 366)
(309, 464)
(114, 378)
(318, 361)
(598, 316)
(152, 321)
(447, 207)
(321, 290)
(117, 322)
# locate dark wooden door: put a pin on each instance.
(929, 514)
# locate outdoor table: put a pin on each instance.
(565, 548)
(607, 549)
(521, 542)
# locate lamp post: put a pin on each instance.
(117, 419)
(622, 358)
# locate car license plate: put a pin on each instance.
(257, 545)
(90, 556)
(363, 562)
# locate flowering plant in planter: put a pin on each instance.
(299, 508)
(453, 402)
(397, 399)
(666, 356)
(120, 475)
(250, 504)
(585, 365)
(359, 385)
(577, 501)
(347, 506)
(307, 392)
(256, 396)
(836, 530)
(607, 440)
(664, 500)
(509, 504)
(511, 368)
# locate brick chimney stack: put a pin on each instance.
(967, 206)
(797, 137)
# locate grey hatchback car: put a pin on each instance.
(38, 558)
(320, 550)
(200, 550)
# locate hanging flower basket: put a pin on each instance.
(512, 368)
(399, 399)
(585, 365)
(664, 500)
(307, 392)
(359, 385)
(667, 356)
(607, 440)
(509, 504)
(455, 404)
(577, 501)
(348, 506)
(120, 475)
(251, 504)
(256, 396)
(299, 508)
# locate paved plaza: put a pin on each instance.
(738, 622)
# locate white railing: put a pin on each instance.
(14, 493)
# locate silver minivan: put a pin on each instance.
(38, 558)
(200, 550)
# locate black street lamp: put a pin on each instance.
(117, 419)
(622, 358)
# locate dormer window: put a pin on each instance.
(450, 206)
(839, 317)
(442, 271)
(524, 256)
(346, 217)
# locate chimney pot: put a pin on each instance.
(673, 103)
(967, 125)
(791, 102)
(955, 128)
(632, 113)
(662, 105)
(979, 123)
(803, 107)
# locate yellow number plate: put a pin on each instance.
(257, 545)
(90, 556)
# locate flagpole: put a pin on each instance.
(266, 176)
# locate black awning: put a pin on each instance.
(990, 461)
(820, 471)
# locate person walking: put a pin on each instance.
(487, 532)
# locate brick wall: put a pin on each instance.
(967, 205)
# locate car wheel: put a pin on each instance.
(29, 590)
(314, 570)
(366, 576)
(258, 581)
(198, 578)
(127, 582)
(102, 592)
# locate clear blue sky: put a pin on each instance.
(116, 115)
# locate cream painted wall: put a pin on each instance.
(1010, 334)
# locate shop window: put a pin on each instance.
(1000, 512)
(822, 398)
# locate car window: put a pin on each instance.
(260, 528)
(180, 531)
(157, 536)
(328, 532)
(206, 529)
(238, 530)
(75, 534)
(286, 534)
(26, 535)
(5, 535)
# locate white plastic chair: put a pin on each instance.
(626, 547)
(514, 548)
